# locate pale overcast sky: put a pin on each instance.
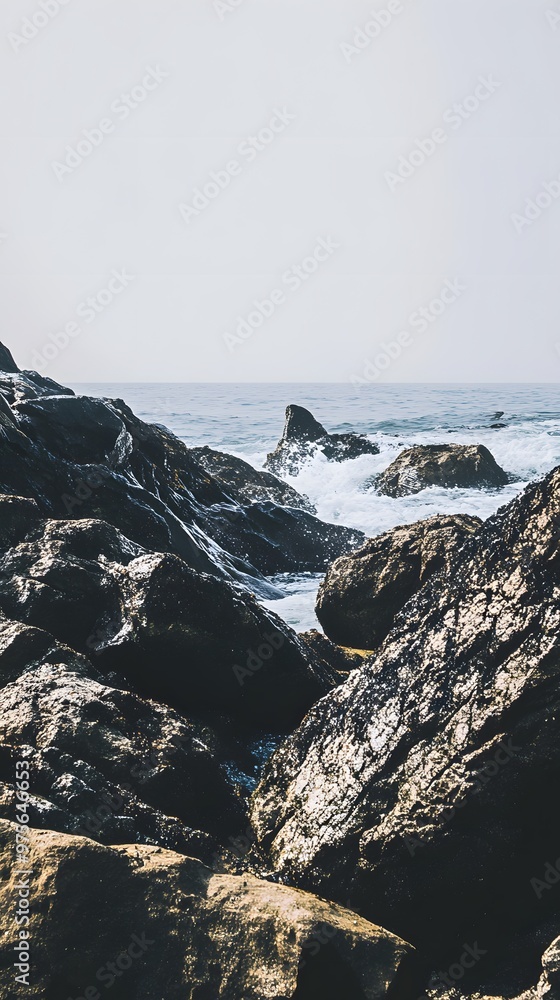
(343, 220)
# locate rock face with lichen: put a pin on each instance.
(420, 790)
(145, 919)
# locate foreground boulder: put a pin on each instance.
(140, 917)
(469, 466)
(246, 484)
(186, 638)
(422, 789)
(303, 437)
(363, 593)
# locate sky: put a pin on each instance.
(281, 190)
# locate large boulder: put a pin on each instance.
(187, 638)
(424, 788)
(109, 765)
(469, 466)
(245, 484)
(303, 437)
(363, 593)
(155, 923)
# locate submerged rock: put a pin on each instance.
(303, 436)
(422, 789)
(469, 466)
(247, 484)
(176, 929)
(363, 593)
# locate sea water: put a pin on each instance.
(246, 420)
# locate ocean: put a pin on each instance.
(247, 419)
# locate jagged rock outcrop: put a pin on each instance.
(7, 363)
(186, 638)
(363, 593)
(423, 790)
(78, 457)
(245, 484)
(153, 923)
(469, 466)
(303, 436)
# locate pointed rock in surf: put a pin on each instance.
(303, 436)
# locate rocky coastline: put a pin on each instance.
(210, 806)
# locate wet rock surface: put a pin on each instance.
(303, 437)
(468, 466)
(186, 638)
(77, 457)
(247, 484)
(421, 789)
(363, 593)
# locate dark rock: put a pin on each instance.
(7, 363)
(247, 484)
(187, 638)
(18, 516)
(362, 593)
(285, 537)
(191, 933)
(303, 436)
(108, 765)
(77, 428)
(423, 789)
(469, 466)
